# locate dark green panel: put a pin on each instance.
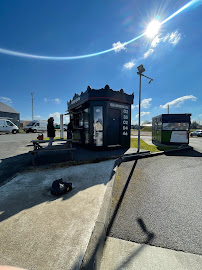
(156, 135)
(166, 135)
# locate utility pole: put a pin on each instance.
(32, 94)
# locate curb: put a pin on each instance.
(93, 255)
(147, 154)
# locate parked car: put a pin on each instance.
(36, 126)
(6, 126)
(197, 133)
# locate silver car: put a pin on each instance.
(197, 133)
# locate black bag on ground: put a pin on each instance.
(59, 187)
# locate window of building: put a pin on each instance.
(175, 126)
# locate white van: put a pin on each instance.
(6, 126)
(36, 126)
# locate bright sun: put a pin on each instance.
(153, 28)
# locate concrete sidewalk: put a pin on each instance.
(40, 231)
(120, 254)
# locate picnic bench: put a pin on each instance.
(54, 148)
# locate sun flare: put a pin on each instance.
(153, 29)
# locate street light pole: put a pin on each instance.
(139, 115)
(141, 69)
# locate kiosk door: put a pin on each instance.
(113, 130)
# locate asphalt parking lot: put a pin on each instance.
(14, 153)
(164, 192)
(16, 144)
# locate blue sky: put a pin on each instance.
(77, 27)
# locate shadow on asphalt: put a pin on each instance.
(185, 153)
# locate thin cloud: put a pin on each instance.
(155, 41)
(178, 101)
(66, 118)
(118, 46)
(55, 115)
(171, 38)
(57, 101)
(174, 38)
(148, 53)
(6, 100)
(129, 65)
(142, 114)
(45, 100)
(37, 116)
(165, 38)
(145, 103)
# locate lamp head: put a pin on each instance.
(141, 69)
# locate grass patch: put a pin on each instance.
(145, 146)
(55, 138)
(148, 129)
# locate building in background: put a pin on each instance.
(9, 113)
(23, 123)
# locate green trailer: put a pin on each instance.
(171, 128)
